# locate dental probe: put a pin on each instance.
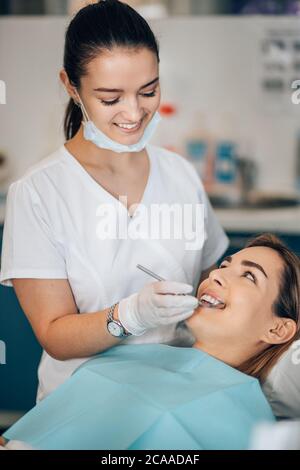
(147, 271)
(157, 277)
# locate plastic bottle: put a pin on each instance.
(227, 184)
(198, 148)
(226, 170)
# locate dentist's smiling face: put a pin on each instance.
(243, 291)
(121, 92)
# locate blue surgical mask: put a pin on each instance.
(93, 134)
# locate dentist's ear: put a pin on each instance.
(71, 90)
(282, 330)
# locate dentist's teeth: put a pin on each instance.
(128, 126)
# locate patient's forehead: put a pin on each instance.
(266, 257)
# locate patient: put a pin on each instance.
(205, 397)
(257, 318)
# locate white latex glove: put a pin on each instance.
(156, 304)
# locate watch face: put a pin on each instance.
(115, 329)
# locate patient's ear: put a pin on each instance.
(281, 331)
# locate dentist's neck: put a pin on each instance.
(102, 158)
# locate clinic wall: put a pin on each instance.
(207, 64)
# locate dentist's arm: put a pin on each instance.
(65, 334)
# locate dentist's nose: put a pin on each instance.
(133, 112)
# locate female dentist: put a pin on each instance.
(75, 276)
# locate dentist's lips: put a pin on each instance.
(130, 130)
(210, 300)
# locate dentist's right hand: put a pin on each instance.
(158, 303)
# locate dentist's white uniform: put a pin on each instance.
(50, 232)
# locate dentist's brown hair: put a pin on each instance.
(96, 28)
(287, 305)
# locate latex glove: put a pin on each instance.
(156, 304)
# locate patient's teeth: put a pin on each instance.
(212, 301)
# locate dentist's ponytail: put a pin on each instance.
(73, 118)
(95, 28)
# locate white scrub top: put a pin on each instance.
(50, 232)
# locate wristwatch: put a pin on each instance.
(115, 327)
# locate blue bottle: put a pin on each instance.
(225, 165)
(197, 154)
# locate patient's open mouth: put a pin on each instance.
(210, 301)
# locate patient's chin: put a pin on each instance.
(190, 321)
(202, 316)
(196, 312)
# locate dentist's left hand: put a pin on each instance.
(158, 303)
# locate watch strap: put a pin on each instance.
(110, 318)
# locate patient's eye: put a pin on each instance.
(222, 265)
(249, 275)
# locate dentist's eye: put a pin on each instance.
(249, 275)
(149, 95)
(110, 103)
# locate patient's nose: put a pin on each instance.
(217, 277)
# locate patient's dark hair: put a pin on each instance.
(95, 28)
(287, 305)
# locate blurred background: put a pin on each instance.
(167, 7)
(230, 73)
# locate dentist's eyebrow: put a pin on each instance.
(116, 90)
(251, 264)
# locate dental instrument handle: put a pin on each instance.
(147, 271)
(157, 277)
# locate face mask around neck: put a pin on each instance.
(93, 134)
